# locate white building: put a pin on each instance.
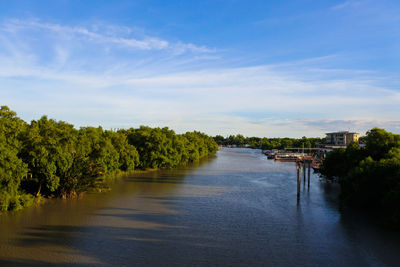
(341, 138)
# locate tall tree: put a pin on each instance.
(12, 169)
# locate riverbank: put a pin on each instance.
(52, 158)
(103, 186)
(369, 176)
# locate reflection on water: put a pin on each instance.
(236, 209)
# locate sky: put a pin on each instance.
(258, 68)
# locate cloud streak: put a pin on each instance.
(177, 84)
(107, 37)
(347, 4)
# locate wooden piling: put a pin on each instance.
(298, 180)
(309, 172)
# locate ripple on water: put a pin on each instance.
(237, 209)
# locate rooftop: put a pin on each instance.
(343, 132)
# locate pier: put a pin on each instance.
(305, 164)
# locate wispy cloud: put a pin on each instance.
(99, 75)
(111, 35)
(346, 4)
(209, 99)
(361, 125)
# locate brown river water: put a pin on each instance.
(236, 209)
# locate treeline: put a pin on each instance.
(267, 143)
(52, 158)
(369, 176)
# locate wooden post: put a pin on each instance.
(298, 181)
(309, 172)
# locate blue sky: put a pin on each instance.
(259, 68)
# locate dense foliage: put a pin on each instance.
(52, 158)
(12, 168)
(369, 176)
(162, 148)
(267, 143)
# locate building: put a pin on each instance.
(341, 138)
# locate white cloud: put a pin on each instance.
(88, 85)
(111, 35)
(346, 4)
(341, 6)
(209, 100)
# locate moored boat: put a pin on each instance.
(290, 157)
(270, 154)
(316, 165)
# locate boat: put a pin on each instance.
(286, 159)
(315, 165)
(270, 154)
(289, 157)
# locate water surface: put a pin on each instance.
(237, 209)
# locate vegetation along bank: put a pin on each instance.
(369, 176)
(52, 158)
(265, 143)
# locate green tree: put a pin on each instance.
(370, 176)
(219, 139)
(57, 159)
(128, 155)
(12, 169)
(379, 142)
(48, 150)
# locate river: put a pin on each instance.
(237, 209)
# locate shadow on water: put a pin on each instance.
(235, 210)
(364, 236)
(161, 180)
(117, 235)
(132, 236)
(29, 262)
(171, 176)
(331, 192)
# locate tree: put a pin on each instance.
(219, 139)
(12, 169)
(379, 142)
(128, 155)
(57, 159)
(48, 150)
(370, 176)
